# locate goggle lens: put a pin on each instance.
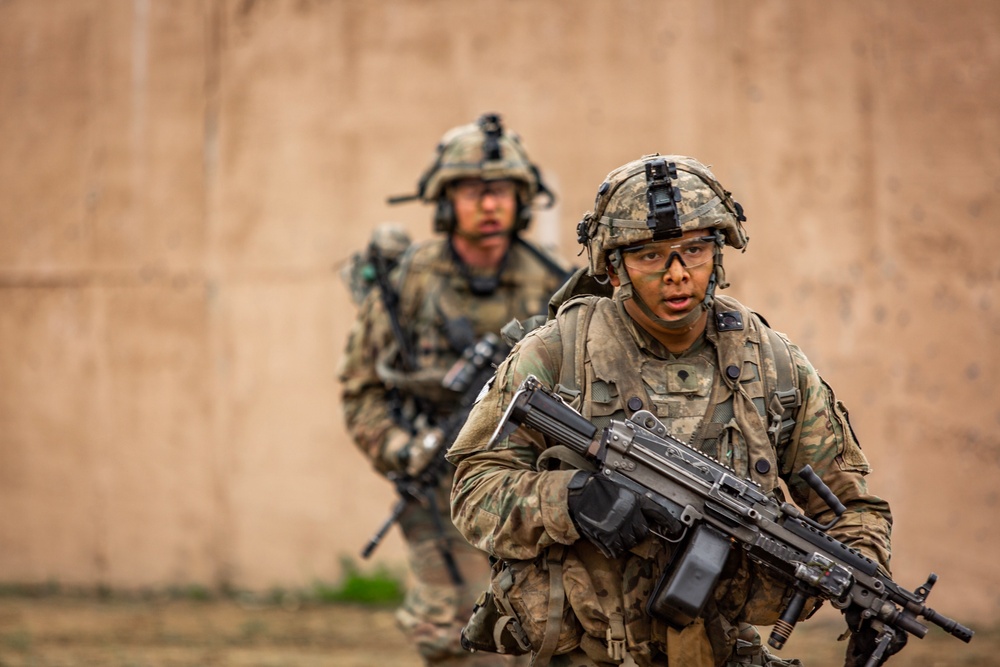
(650, 257)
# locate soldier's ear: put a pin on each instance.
(613, 276)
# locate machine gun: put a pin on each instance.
(720, 512)
(466, 377)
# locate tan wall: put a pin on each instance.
(179, 182)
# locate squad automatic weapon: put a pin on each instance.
(721, 512)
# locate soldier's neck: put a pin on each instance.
(677, 341)
(481, 254)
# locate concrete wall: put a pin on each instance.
(180, 182)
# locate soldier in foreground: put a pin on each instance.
(438, 311)
(580, 556)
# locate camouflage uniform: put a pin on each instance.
(440, 314)
(503, 502)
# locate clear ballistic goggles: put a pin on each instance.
(473, 190)
(657, 256)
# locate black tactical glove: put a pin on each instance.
(614, 518)
(864, 640)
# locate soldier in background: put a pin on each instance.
(446, 296)
(578, 560)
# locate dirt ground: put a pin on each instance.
(59, 631)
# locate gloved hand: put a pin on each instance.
(614, 518)
(412, 455)
(864, 639)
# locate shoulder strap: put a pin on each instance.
(568, 372)
(785, 398)
(553, 623)
(574, 318)
(781, 395)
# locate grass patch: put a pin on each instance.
(195, 592)
(19, 641)
(379, 587)
(32, 590)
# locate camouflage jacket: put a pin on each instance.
(440, 316)
(505, 506)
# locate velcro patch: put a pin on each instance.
(729, 321)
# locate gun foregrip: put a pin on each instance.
(786, 623)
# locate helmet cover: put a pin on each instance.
(484, 150)
(621, 215)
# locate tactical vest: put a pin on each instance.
(748, 412)
(444, 318)
(748, 406)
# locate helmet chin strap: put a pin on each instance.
(628, 292)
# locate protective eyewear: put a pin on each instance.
(651, 257)
(475, 190)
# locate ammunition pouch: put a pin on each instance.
(494, 627)
(525, 610)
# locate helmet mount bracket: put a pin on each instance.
(492, 131)
(662, 197)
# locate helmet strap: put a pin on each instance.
(685, 322)
(627, 290)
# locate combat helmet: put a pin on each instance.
(659, 197)
(485, 150)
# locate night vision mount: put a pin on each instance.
(662, 197)
(492, 131)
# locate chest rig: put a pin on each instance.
(736, 399)
(442, 317)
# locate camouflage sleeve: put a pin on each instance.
(499, 502)
(363, 395)
(823, 438)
